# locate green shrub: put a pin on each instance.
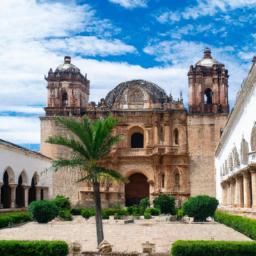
(117, 212)
(200, 207)
(144, 203)
(10, 218)
(130, 210)
(241, 224)
(65, 214)
(147, 215)
(180, 213)
(33, 248)
(62, 202)
(43, 211)
(87, 213)
(165, 203)
(76, 211)
(152, 211)
(213, 248)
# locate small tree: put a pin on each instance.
(165, 203)
(91, 144)
(200, 207)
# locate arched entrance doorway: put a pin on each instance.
(136, 189)
(20, 193)
(6, 191)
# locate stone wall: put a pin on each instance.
(203, 136)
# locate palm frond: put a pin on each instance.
(75, 162)
(76, 146)
(80, 129)
(88, 178)
(103, 172)
(107, 145)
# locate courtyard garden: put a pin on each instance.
(54, 224)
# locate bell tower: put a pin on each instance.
(68, 90)
(208, 86)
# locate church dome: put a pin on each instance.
(136, 94)
(67, 66)
(207, 60)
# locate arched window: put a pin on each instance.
(208, 96)
(176, 136)
(163, 180)
(177, 179)
(64, 99)
(137, 140)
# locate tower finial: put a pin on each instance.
(207, 53)
(67, 59)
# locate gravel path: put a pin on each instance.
(124, 237)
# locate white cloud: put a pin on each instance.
(20, 129)
(130, 4)
(90, 46)
(204, 8)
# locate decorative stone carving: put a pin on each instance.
(236, 160)
(253, 138)
(105, 247)
(244, 151)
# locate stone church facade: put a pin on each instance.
(166, 148)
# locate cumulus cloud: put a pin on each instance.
(90, 46)
(130, 4)
(204, 8)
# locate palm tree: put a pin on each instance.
(91, 143)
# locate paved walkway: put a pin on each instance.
(124, 237)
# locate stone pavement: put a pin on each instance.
(123, 237)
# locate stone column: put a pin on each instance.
(26, 189)
(224, 194)
(237, 192)
(253, 175)
(13, 195)
(247, 190)
(232, 183)
(156, 137)
(1, 205)
(46, 193)
(38, 193)
(167, 134)
(228, 194)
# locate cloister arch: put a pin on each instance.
(8, 176)
(136, 189)
(32, 189)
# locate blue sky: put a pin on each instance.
(114, 41)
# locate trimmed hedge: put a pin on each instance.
(213, 248)
(43, 211)
(243, 225)
(7, 219)
(165, 203)
(33, 248)
(200, 207)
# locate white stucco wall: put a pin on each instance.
(19, 160)
(242, 124)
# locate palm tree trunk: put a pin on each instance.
(98, 217)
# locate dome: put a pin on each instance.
(207, 60)
(67, 66)
(137, 93)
